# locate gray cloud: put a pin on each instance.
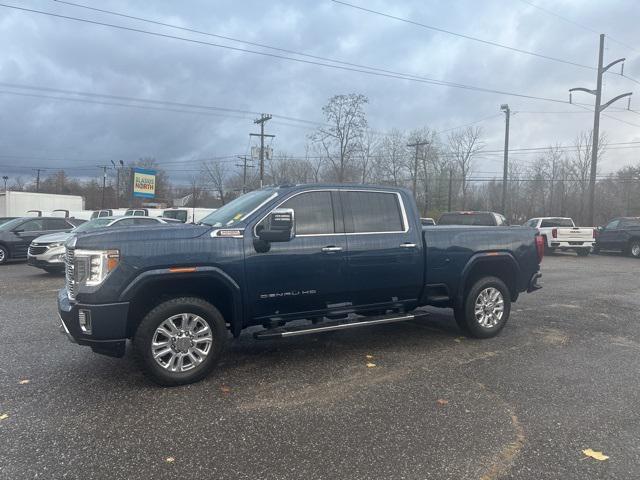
(46, 51)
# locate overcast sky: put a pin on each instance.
(51, 52)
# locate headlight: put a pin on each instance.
(56, 245)
(93, 266)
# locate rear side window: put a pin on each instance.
(532, 223)
(470, 219)
(128, 222)
(373, 212)
(630, 222)
(56, 224)
(313, 213)
(556, 222)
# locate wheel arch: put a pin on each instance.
(208, 283)
(489, 264)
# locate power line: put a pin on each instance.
(366, 70)
(461, 35)
(573, 22)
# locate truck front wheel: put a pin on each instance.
(180, 341)
(485, 309)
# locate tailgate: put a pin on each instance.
(575, 234)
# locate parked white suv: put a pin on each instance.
(562, 234)
(47, 251)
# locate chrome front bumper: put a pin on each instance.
(65, 330)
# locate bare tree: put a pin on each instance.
(341, 138)
(369, 145)
(216, 174)
(581, 163)
(464, 145)
(392, 161)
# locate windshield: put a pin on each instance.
(11, 224)
(176, 214)
(93, 224)
(238, 209)
(472, 219)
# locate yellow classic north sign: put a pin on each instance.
(144, 183)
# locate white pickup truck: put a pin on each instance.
(562, 234)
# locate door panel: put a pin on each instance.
(32, 229)
(385, 258)
(307, 273)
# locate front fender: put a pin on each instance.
(178, 274)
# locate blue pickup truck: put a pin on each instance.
(294, 259)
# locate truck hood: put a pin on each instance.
(114, 237)
(54, 238)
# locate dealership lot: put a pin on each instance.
(562, 377)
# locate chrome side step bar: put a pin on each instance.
(330, 327)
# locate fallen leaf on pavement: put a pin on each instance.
(24, 381)
(593, 454)
(442, 402)
(371, 365)
(225, 389)
(170, 459)
(369, 357)
(4, 416)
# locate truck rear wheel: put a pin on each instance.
(485, 309)
(180, 341)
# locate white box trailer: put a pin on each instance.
(27, 204)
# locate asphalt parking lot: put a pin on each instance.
(562, 377)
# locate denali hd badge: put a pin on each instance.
(295, 293)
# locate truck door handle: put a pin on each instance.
(331, 248)
(407, 245)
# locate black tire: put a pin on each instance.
(4, 255)
(634, 248)
(582, 252)
(466, 318)
(53, 270)
(146, 330)
(595, 250)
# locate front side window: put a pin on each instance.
(612, 225)
(373, 212)
(313, 213)
(32, 226)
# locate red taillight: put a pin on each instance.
(554, 233)
(540, 247)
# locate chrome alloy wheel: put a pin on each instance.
(181, 342)
(635, 249)
(2, 255)
(489, 307)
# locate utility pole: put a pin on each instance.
(596, 121)
(117, 169)
(244, 171)
(417, 144)
(104, 182)
(450, 189)
(38, 179)
(5, 178)
(265, 117)
(505, 171)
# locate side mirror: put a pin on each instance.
(279, 226)
(18, 230)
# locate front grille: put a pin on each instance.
(69, 273)
(37, 249)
